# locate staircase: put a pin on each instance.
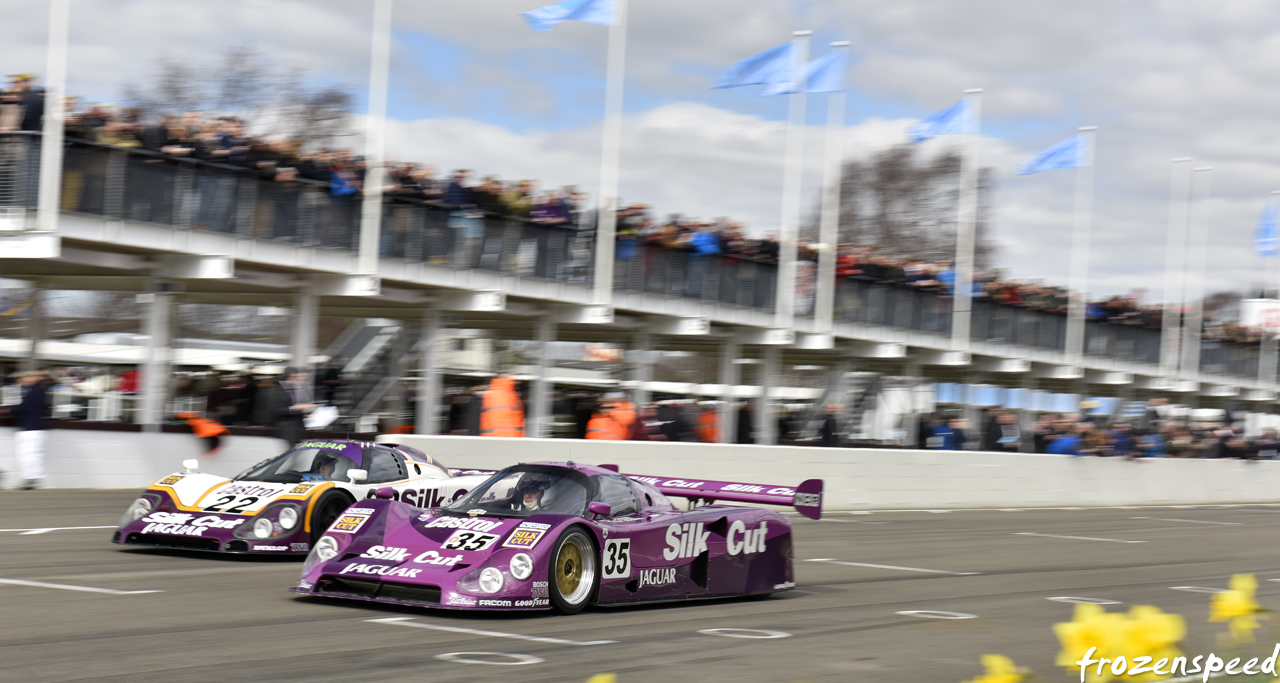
(370, 369)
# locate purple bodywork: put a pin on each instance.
(393, 552)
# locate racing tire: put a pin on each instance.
(326, 511)
(573, 576)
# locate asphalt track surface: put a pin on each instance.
(217, 618)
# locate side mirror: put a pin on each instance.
(599, 509)
(191, 466)
(386, 493)
(356, 476)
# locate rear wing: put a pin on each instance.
(805, 498)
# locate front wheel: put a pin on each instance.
(573, 578)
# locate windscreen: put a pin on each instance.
(525, 490)
(308, 462)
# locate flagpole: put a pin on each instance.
(784, 301)
(1080, 248)
(829, 229)
(375, 140)
(962, 299)
(610, 152)
(1175, 258)
(1198, 243)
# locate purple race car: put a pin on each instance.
(562, 536)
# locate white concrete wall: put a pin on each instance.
(855, 478)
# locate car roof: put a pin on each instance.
(585, 469)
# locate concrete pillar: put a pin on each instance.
(35, 331)
(729, 353)
(538, 419)
(302, 335)
(767, 428)
(155, 372)
(643, 373)
(427, 419)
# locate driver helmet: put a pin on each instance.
(321, 460)
(532, 481)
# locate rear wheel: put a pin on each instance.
(572, 577)
(326, 512)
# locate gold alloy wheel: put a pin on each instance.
(569, 569)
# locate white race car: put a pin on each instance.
(282, 505)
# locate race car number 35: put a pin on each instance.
(469, 541)
(617, 558)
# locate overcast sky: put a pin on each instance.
(473, 87)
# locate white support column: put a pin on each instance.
(644, 367)
(767, 429)
(962, 302)
(1197, 245)
(427, 417)
(728, 413)
(538, 423)
(302, 333)
(155, 372)
(1175, 258)
(829, 229)
(1080, 249)
(55, 85)
(610, 152)
(375, 140)
(785, 300)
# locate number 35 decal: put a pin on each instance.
(469, 540)
(617, 558)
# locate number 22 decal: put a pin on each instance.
(469, 540)
(617, 558)
(237, 508)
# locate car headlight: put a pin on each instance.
(490, 580)
(326, 548)
(137, 510)
(288, 517)
(262, 528)
(521, 566)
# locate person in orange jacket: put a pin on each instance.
(708, 426)
(502, 413)
(209, 431)
(604, 426)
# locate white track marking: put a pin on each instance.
(1188, 521)
(890, 566)
(1074, 538)
(147, 573)
(1197, 589)
(408, 621)
(754, 633)
(33, 532)
(1086, 601)
(60, 586)
(849, 521)
(935, 614)
(465, 658)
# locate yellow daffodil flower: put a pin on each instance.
(1144, 632)
(1238, 606)
(1000, 669)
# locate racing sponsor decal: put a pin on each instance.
(306, 585)
(539, 589)
(664, 576)
(471, 524)
(300, 547)
(360, 511)
(685, 540)
(784, 585)
(460, 600)
(348, 523)
(476, 511)
(495, 603)
(301, 488)
(526, 535)
(170, 480)
(423, 498)
(248, 490)
(469, 540)
(812, 500)
(535, 602)
(271, 548)
(394, 554)
(744, 541)
(617, 558)
(380, 570)
(185, 524)
(232, 504)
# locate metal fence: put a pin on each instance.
(718, 278)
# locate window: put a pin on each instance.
(615, 491)
(384, 466)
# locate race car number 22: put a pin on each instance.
(236, 506)
(469, 540)
(617, 558)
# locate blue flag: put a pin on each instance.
(590, 11)
(768, 67)
(1066, 154)
(1267, 240)
(949, 121)
(824, 74)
